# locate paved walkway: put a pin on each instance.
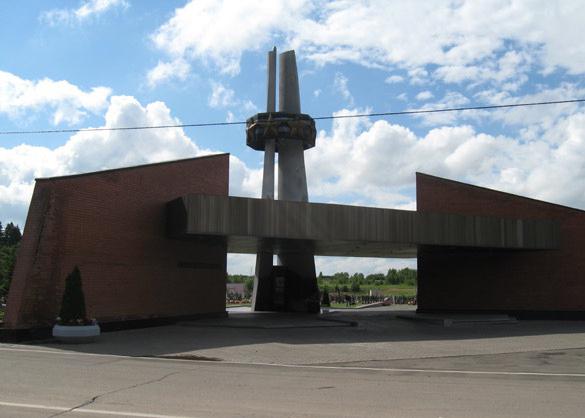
(331, 338)
(267, 365)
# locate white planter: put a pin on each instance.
(76, 333)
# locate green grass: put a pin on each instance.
(389, 290)
(386, 290)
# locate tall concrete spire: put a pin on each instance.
(292, 285)
(271, 87)
(270, 144)
(288, 84)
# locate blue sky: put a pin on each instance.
(105, 63)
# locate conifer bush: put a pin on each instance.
(73, 303)
(325, 298)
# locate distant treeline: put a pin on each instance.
(343, 282)
(9, 239)
(346, 282)
(405, 276)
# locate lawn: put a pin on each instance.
(386, 290)
(237, 305)
(389, 290)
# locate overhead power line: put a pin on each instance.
(359, 115)
(449, 109)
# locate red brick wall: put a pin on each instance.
(489, 280)
(112, 224)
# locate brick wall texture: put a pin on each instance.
(112, 224)
(466, 279)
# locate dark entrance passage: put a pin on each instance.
(283, 290)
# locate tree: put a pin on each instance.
(249, 286)
(341, 278)
(7, 261)
(9, 239)
(355, 287)
(408, 276)
(12, 234)
(375, 279)
(73, 304)
(392, 277)
(325, 301)
(237, 278)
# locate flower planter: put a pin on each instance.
(76, 334)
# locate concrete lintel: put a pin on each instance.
(350, 230)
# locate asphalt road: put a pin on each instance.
(39, 381)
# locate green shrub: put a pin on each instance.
(73, 304)
(325, 301)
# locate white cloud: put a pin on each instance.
(418, 76)
(508, 72)
(245, 264)
(449, 33)
(424, 95)
(165, 71)
(241, 264)
(460, 40)
(98, 150)
(394, 79)
(451, 99)
(88, 9)
(230, 117)
(340, 84)
(531, 117)
(244, 181)
(332, 265)
(67, 102)
(384, 158)
(402, 97)
(220, 31)
(222, 97)
(532, 120)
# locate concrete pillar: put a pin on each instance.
(268, 175)
(271, 88)
(289, 99)
(292, 185)
(292, 179)
(302, 293)
(262, 294)
(270, 145)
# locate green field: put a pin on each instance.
(389, 290)
(386, 290)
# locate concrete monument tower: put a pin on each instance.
(292, 284)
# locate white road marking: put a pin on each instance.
(304, 366)
(63, 352)
(88, 411)
(441, 371)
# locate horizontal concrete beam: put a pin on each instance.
(342, 230)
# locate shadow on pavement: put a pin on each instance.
(277, 337)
